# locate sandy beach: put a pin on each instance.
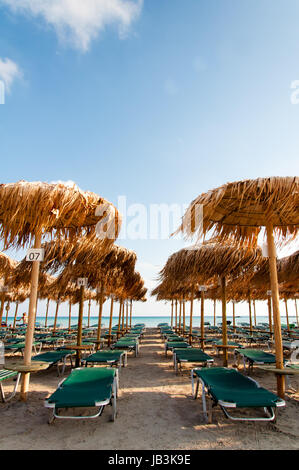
(155, 412)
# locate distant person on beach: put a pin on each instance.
(24, 318)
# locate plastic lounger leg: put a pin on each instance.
(2, 394)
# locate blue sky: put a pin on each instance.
(155, 100)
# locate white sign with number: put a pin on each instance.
(269, 292)
(82, 282)
(35, 254)
(202, 289)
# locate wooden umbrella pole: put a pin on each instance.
(254, 312)
(270, 314)
(47, 310)
(2, 307)
(127, 316)
(70, 314)
(180, 316)
(276, 311)
(287, 314)
(131, 311)
(119, 318)
(31, 320)
(184, 317)
(214, 312)
(250, 314)
(101, 301)
(191, 315)
(16, 313)
(224, 324)
(110, 321)
(56, 316)
(202, 319)
(171, 313)
(7, 310)
(89, 305)
(80, 323)
(296, 312)
(234, 316)
(123, 319)
(176, 315)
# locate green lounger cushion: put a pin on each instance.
(255, 355)
(105, 356)
(175, 345)
(231, 386)
(192, 355)
(52, 356)
(84, 388)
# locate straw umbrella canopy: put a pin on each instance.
(240, 210)
(7, 266)
(203, 264)
(29, 210)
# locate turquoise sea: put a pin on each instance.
(149, 321)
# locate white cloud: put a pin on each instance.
(78, 22)
(9, 71)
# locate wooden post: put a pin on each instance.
(254, 312)
(16, 313)
(180, 316)
(47, 310)
(123, 319)
(31, 320)
(127, 316)
(202, 320)
(131, 311)
(80, 322)
(214, 312)
(70, 314)
(119, 318)
(89, 305)
(2, 307)
(184, 316)
(100, 314)
(270, 313)
(171, 313)
(276, 311)
(250, 314)
(176, 315)
(7, 308)
(191, 315)
(287, 314)
(234, 316)
(110, 321)
(224, 324)
(56, 315)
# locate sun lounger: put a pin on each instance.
(254, 356)
(57, 358)
(6, 375)
(85, 388)
(229, 389)
(20, 346)
(111, 358)
(129, 344)
(191, 355)
(170, 346)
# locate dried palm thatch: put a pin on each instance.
(288, 268)
(21, 276)
(27, 208)
(240, 209)
(289, 290)
(7, 265)
(202, 263)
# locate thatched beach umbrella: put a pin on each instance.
(30, 210)
(240, 210)
(7, 266)
(202, 264)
